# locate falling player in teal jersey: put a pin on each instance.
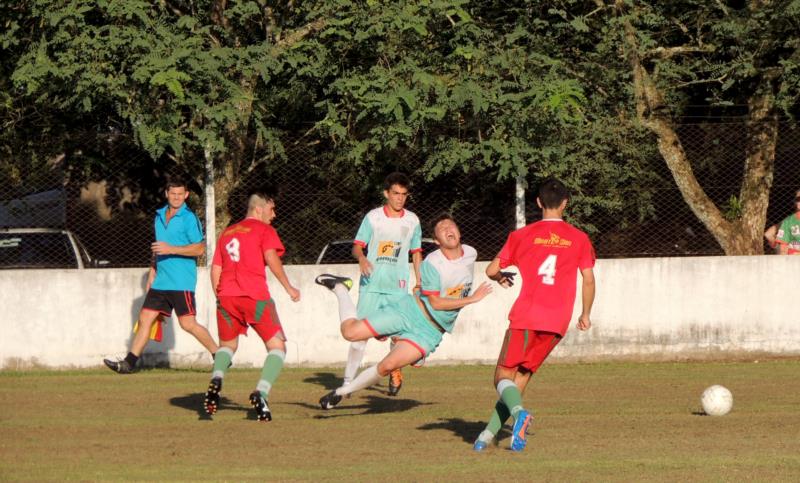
(419, 321)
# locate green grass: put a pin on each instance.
(609, 422)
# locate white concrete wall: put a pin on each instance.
(660, 308)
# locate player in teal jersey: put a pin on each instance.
(418, 321)
(389, 233)
(788, 236)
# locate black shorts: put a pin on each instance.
(164, 301)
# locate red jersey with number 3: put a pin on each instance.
(240, 253)
(549, 254)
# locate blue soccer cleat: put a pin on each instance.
(519, 433)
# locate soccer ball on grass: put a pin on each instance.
(717, 400)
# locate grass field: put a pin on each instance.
(615, 421)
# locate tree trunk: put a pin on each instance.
(741, 236)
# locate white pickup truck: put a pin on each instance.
(43, 248)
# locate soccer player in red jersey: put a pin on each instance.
(548, 254)
(238, 277)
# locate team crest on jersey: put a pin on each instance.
(795, 230)
(459, 291)
(554, 241)
(388, 251)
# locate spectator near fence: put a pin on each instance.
(788, 236)
(173, 275)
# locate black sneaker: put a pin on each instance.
(395, 382)
(260, 405)
(212, 395)
(330, 400)
(329, 281)
(120, 367)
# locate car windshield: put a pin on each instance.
(36, 250)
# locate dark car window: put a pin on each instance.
(36, 250)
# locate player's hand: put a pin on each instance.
(584, 323)
(161, 248)
(507, 279)
(482, 291)
(364, 266)
(294, 294)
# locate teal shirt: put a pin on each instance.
(446, 278)
(177, 272)
(388, 242)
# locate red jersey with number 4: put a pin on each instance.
(240, 253)
(549, 254)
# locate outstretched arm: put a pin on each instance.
(443, 303)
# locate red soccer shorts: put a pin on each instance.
(526, 348)
(235, 314)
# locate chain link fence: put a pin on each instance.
(97, 196)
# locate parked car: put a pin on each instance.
(43, 248)
(339, 251)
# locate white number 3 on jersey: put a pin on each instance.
(233, 250)
(548, 270)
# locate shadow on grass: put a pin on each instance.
(468, 431)
(328, 380)
(195, 402)
(373, 405)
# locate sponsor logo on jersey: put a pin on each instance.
(553, 241)
(795, 230)
(388, 251)
(236, 229)
(459, 291)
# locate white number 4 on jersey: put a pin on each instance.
(548, 270)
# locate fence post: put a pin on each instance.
(211, 215)
(519, 200)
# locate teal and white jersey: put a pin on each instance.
(388, 242)
(450, 279)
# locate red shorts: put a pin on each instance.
(526, 348)
(235, 314)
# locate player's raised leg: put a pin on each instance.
(403, 354)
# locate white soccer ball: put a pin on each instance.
(717, 400)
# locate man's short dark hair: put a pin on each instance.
(445, 215)
(396, 178)
(177, 181)
(266, 193)
(552, 193)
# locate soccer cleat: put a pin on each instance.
(395, 382)
(212, 395)
(329, 281)
(330, 400)
(260, 405)
(479, 445)
(519, 433)
(120, 367)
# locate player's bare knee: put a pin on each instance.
(385, 367)
(187, 324)
(349, 332)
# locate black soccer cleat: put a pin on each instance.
(330, 400)
(120, 367)
(260, 405)
(329, 281)
(211, 402)
(395, 382)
